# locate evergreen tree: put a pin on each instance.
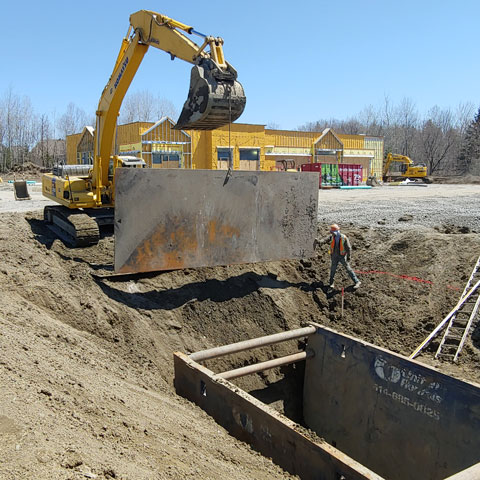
(469, 158)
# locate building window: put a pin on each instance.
(160, 157)
(252, 154)
(223, 154)
(86, 158)
(157, 158)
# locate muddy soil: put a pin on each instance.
(86, 362)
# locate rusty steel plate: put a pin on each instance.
(170, 218)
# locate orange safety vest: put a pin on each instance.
(341, 248)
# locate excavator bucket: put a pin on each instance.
(20, 190)
(172, 219)
(215, 98)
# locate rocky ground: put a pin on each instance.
(86, 363)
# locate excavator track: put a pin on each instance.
(74, 227)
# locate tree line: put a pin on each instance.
(26, 136)
(446, 140)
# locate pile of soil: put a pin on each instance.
(26, 171)
(27, 168)
(86, 365)
(457, 179)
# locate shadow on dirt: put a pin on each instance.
(211, 289)
(288, 390)
(41, 232)
(46, 237)
(476, 335)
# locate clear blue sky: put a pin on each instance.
(297, 60)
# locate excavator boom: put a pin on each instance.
(215, 97)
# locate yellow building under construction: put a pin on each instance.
(253, 147)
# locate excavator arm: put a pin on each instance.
(395, 157)
(215, 97)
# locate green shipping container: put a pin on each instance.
(330, 175)
(325, 175)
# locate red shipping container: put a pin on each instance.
(357, 179)
(350, 175)
(342, 173)
(306, 167)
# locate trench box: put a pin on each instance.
(398, 417)
(377, 415)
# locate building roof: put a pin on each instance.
(163, 120)
(325, 133)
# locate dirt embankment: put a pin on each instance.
(86, 364)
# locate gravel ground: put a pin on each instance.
(446, 207)
(392, 207)
(9, 204)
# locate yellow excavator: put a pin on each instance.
(407, 169)
(86, 193)
(168, 219)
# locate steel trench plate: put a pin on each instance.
(173, 218)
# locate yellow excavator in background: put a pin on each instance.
(86, 193)
(407, 169)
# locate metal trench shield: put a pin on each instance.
(171, 219)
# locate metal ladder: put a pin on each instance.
(460, 323)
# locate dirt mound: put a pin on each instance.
(28, 168)
(457, 179)
(87, 362)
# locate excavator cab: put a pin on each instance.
(215, 97)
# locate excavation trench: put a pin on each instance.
(368, 412)
(89, 357)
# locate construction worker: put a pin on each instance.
(340, 252)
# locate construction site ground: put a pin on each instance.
(86, 362)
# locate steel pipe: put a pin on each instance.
(249, 344)
(260, 367)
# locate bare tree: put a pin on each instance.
(371, 120)
(351, 126)
(439, 140)
(464, 114)
(42, 153)
(407, 122)
(3, 129)
(18, 124)
(143, 106)
(72, 121)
